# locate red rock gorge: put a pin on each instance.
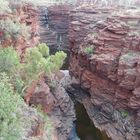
(105, 60)
(104, 48)
(96, 93)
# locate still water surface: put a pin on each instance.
(85, 128)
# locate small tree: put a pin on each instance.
(38, 63)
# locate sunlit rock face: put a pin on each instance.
(111, 71)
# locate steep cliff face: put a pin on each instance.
(54, 26)
(105, 59)
(59, 107)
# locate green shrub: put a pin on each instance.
(34, 64)
(55, 62)
(124, 113)
(10, 64)
(37, 60)
(9, 60)
(11, 126)
(89, 50)
(18, 84)
(43, 49)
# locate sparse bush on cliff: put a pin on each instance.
(13, 29)
(124, 113)
(9, 60)
(38, 61)
(11, 126)
(17, 120)
(10, 64)
(89, 50)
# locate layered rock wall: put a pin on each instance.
(56, 103)
(54, 22)
(110, 71)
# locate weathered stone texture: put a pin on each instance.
(58, 106)
(111, 73)
(54, 21)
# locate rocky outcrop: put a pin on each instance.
(59, 107)
(27, 15)
(35, 124)
(105, 57)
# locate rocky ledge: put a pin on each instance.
(56, 103)
(105, 60)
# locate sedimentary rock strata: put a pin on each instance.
(111, 71)
(59, 107)
(54, 21)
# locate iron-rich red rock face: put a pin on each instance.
(58, 106)
(55, 23)
(28, 15)
(111, 73)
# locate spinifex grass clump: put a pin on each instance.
(12, 29)
(4, 7)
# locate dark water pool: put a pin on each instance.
(85, 128)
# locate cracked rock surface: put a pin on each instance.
(111, 72)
